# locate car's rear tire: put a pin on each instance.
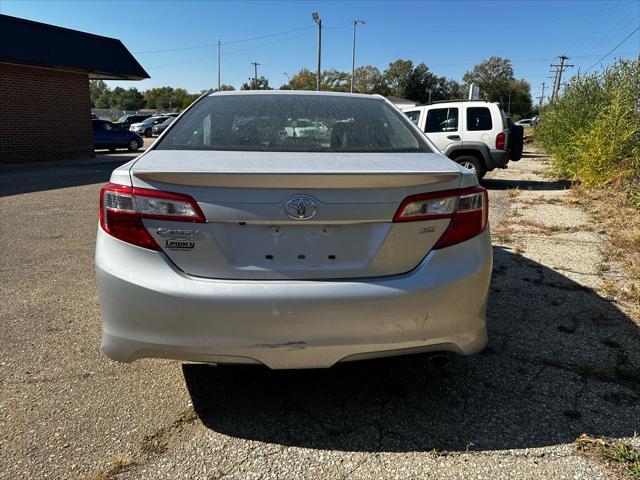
(516, 142)
(133, 145)
(148, 132)
(472, 163)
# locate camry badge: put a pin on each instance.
(301, 207)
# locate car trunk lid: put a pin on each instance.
(254, 230)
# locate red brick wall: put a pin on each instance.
(44, 114)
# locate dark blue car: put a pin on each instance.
(111, 136)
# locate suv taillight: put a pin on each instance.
(467, 208)
(122, 209)
(500, 138)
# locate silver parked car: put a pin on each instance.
(158, 128)
(233, 240)
(145, 127)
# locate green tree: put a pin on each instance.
(520, 103)
(105, 100)
(225, 88)
(368, 79)
(397, 76)
(97, 88)
(165, 98)
(305, 79)
(450, 89)
(189, 99)
(261, 83)
(493, 76)
(335, 81)
(130, 99)
(419, 83)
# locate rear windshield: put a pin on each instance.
(293, 123)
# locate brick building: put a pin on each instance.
(45, 109)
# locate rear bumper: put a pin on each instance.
(151, 309)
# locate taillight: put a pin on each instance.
(122, 209)
(500, 138)
(467, 208)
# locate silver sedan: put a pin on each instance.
(235, 240)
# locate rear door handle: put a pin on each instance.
(453, 137)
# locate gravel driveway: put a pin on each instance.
(561, 361)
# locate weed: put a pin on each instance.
(513, 193)
(592, 131)
(119, 462)
(435, 453)
(603, 267)
(620, 456)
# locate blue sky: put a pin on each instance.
(450, 37)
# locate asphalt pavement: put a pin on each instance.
(512, 411)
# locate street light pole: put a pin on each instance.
(353, 51)
(316, 18)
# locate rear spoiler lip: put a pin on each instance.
(296, 180)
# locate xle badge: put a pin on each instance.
(179, 244)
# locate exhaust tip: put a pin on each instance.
(438, 360)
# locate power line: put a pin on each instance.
(269, 35)
(591, 26)
(618, 23)
(210, 57)
(596, 26)
(182, 63)
(613, 49)
(232, 42)
(345, 25)
(176, 49)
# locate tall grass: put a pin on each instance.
(592, 132)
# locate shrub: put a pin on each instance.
(593, 130)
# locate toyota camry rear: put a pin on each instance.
(294, 230)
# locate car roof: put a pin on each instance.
(295, 92)
(441, 103)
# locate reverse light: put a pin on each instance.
(122, 209)
(467, 208)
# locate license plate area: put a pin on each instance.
(294, 247)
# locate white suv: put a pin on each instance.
(473, 133)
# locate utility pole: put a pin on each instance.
(509, 108)
(255, 74)
(218, 63)
(541, 97)
(316, 18)
(353, 51)
(558, 79)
